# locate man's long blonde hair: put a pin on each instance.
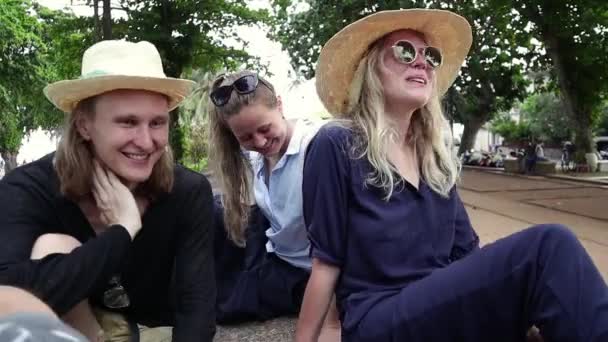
(429, 132)
(74, 160)
(227, 159)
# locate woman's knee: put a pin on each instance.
(53, 243)
(554, 235)
(554, 231)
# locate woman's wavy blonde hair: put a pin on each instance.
(429, 132)
(227, 159)
(74, 160)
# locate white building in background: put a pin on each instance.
(485, 140)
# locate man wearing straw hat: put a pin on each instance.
(107, 230)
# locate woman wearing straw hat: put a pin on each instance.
(107, 223)
(388, 230)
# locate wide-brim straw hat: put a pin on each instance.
(340, 56)
(118, 64)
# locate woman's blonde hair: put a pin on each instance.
(226, 157)
(428, 130)
(74, 160)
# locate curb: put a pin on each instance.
(501, 171)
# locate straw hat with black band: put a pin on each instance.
(341, 55)
(118, 64)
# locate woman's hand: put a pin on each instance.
(115, 201)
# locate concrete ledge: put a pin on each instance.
(544, 167)
(512, 165)
(276, 330)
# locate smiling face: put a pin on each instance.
(408, 86)
(260, 128)
(128, 132)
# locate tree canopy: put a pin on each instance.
(575, 36)
(26, 66)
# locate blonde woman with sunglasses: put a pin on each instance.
(262, 251)
(389, 233)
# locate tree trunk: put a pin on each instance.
(469, 135)
(176, 136)
(580, 113)
(107, 20)
(10, 160)
(97, 27)
(173, 68)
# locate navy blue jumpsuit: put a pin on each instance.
(411, 268)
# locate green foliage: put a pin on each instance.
(575, 35)
(23, 72)
(513, 132)
(191, 34)
(490, 81)
(601, 127)
(303, 26)
(196, 148)
(547, 117)
(198, 166)
(194, 119)
(37, 46)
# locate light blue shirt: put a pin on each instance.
(281, 201)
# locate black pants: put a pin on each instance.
(251, 283)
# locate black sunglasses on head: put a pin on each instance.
(406, 53)
(243, 85)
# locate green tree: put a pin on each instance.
(514, 133)
(194, 116)
(575, 36)
(22, 75)
(491, 79)
(37, 46)
(547, 117)
(601, 128)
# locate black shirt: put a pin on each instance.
(167, 270)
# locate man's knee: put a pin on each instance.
(53, 243)
(13, 300)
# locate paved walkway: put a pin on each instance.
(499, 205)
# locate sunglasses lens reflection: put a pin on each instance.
(433, 56)
(404, 51)
(246, 84)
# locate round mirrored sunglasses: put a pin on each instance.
(406, 53)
